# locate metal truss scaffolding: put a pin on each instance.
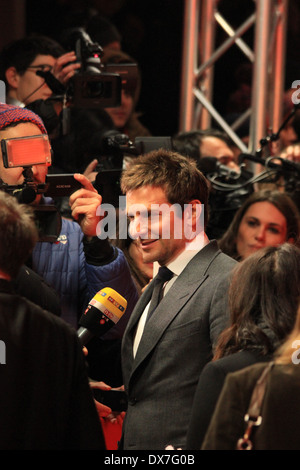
(201, 17)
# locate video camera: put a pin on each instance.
(94, 85)
(26, 152)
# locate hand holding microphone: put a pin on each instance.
(102, 313)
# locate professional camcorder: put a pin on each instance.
(94, 85)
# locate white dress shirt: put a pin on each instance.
(176, 266)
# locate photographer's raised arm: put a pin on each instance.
(84, 203)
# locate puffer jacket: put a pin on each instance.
(76, 272)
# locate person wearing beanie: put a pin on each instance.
(27, 282)
(78, 264)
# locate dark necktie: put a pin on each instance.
(164, 274)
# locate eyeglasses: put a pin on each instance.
(42, 67)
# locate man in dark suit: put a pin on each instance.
(162, 356)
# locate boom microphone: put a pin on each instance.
(102, 313)
(283, 165)
(252, 158)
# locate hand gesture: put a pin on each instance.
(84, 204)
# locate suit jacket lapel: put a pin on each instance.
(187, 283)
(168, 308)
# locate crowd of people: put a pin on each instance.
(223, 271)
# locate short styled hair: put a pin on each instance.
(176, 174)
(22, 52)
(18, 232)
(189, 143)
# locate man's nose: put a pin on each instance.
(138, 227)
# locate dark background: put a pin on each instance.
(152, 33)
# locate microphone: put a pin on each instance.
(288, 165)
(252, 158)
(102, 313)
(283, 165)
(212, 165)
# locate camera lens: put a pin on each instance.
(96, 89)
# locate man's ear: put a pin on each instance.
(194, 210)
(12, 77)
(193, 218)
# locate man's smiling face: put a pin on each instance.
(155, 234)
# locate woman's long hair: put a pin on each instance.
(281, 201)
(263, 301)
(289, 351)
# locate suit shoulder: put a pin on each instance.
(225, 259)
(221, 265)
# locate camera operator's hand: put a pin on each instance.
(84, 203)
(65, 67)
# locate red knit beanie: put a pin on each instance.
(10, 114)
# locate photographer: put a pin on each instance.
(206, 143)
(89, 125)
(22, 59)
(78, 264)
